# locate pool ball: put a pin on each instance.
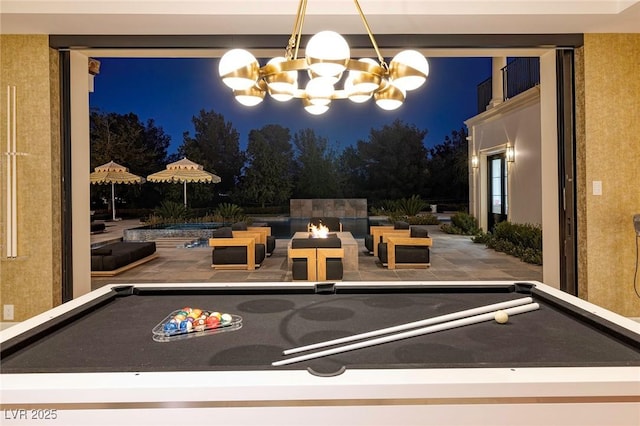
(170, 327)
(185, 326)
(199, 324)
(212, 322)
(501, 317)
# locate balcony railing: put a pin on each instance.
(519, 75)
(484, 94)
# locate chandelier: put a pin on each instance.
(327, 64)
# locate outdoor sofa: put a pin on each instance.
(115, 258)
(97, 227)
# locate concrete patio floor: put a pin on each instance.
(453, 258)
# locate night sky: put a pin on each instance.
(172, 91)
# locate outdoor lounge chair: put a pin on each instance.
(266, 238)
(402, 251)
(236, 249)
(372, 240)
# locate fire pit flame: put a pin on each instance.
(319, 231)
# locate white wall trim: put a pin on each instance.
(549, 166)
(521, 100)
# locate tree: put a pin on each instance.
(315, 167)
(395, 161)
(216, 146)
(448, 168)
(268, 173)
(142, 148)
(352, 173)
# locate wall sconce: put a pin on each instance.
(475, 162)
(510, 154)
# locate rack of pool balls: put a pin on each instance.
(191, 322)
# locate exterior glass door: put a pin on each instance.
(498, 201)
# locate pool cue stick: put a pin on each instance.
(422, 323)
(407, 334)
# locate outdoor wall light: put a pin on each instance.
(326, 64)
(475, 161)
(510, 154)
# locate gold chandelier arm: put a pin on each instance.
(297, 31)
(373, 40)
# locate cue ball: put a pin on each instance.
(501, 317)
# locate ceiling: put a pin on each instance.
(189, 17)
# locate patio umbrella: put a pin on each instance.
(184, 171)
(112, 173)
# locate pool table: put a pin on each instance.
(94, 359)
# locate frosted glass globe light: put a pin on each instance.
(409, 69)
(238, 69)
(332, 79)
(249, 97)
(248, 100)
(353, 94)
(284, 81)
(365, 81)
(390, 98)
(319, 91)
(313, 108)
(281, 95)
(327, 53)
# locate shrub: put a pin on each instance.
(461, 224)
(423, 219)
(384, 208)
(227, 212)
(406, 210)
(172, 211)
(411, 206)
(481, 238)
(523, 241)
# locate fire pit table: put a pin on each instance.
(349, 244)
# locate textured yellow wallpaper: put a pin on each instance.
(608, 130)
(31, 282)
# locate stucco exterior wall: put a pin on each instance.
(31, 282)
(608, 151)
(515, 122)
